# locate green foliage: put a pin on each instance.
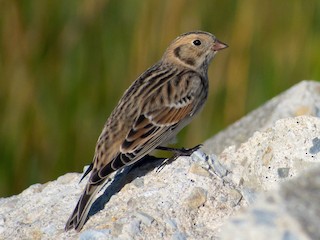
(65, 64)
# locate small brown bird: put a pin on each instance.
(162, 101)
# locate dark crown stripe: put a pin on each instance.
(195, 32)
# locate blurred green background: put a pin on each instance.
(65, 64)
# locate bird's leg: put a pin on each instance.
(180, 151)
(177, 153)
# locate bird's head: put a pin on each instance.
(194, 50)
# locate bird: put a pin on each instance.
(157, 105)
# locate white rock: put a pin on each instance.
(272, 156)
(290, 211)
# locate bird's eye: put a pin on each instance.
(196, 42)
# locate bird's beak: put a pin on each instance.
(219, 45)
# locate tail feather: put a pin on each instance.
(95, 183)
(80, 213)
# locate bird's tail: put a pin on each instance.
(80, 213)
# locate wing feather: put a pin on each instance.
(161, 122)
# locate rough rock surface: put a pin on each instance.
(182, 200)
(193, 197)
(290, 211)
